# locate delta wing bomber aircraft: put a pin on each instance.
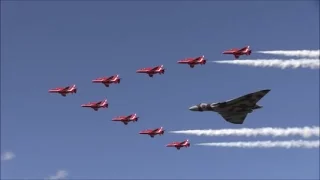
(235, 110)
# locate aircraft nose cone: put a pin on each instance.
(193, 108)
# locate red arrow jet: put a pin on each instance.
(152, 70)
(64, 90)
(153, 132)
(238, 52)
(108, 80)
(127, 119)
(193, 61)
(96, 105)
(179, 145)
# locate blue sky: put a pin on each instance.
(50, 44)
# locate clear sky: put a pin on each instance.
(51, 44)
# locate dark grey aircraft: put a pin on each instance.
(235, 110)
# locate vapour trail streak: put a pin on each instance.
(266, 144)
(305, 132)
(294, 53)
(278, 63)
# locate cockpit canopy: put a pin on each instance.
(203, 105)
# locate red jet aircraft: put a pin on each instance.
(238, 52)
(153, 132)
(126, 119)
(96, 105)
(64, 90)
(193, 61)
(152, 70)
(108, 80)
(179, 145)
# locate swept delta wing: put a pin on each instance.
(236, 110)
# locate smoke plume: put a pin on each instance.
(278, 63)
(294, 53)
(305, 132)
(266, 144)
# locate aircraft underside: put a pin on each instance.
(235, 112)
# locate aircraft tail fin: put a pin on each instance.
(73, 89)
(133, 116)
(115, 77)
(104, 103)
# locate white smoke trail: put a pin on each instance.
(305, 132)
(283, 64)
(266, 144)
(294, 53)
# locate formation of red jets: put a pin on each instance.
(151, 71)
